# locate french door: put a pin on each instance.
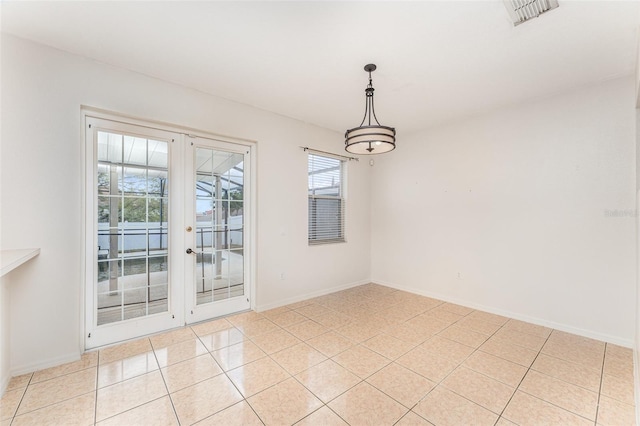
(217, 231)
(167, 229)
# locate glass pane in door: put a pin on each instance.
(132, 261)
(219, 222)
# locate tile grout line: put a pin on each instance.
(15, 413)
(226, 375)
(164, 381)
(523, 377)
(604, 357)
(95, 405)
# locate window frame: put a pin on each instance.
(314, 199)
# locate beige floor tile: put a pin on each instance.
(447, 348)
(299, 304)
(619, 351)
(483, 390)
(313, 310)
(580, 342)
(358, 332)
(444, 408)
(87, 360)
(306, 330)
(429, 324)
(330, 344)
(408, 333)
(288, 318)
(504, 422)
(180, 352)
(615, 413)
(186, 373)
(275, 341)
(124, 350)
(397, 297)
(76, 411)
(365, 405)
(236, 355)
(255, 328)
(275, 312)
(401, 384)
(444, 315)
(497, 368)
(245, 317)
(298, 358)
(412, 419)
(562, 394)
(576, 374)
(9, 403)
(527, 410)
(129, 394)
(579, 351)
(525, 327)
(478, 325)
(456, 309)
(211, 327)
(510, 352)
(621, 367)
(56, 390)
(324, 417)
(618, 389)
(222, 339)
(126, 368)
(427, 364)
(519, 338)
(396, 315)
(333, 320)
(19, 382)
(204, 399)
(285, 403)
(463, 335)
(361, 361)
(240, 414)
(256, 376)
(487, 317)
(157, 413)
(327, 380)
(172, 337)
(388, 346)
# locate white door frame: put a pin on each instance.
(178, 241)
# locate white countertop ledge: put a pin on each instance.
(11, 259)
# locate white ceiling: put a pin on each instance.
(437, 61)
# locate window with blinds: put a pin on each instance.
(326, 200)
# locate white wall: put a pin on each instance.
(532, 205)
(41, 175)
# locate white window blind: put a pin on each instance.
(326, 201)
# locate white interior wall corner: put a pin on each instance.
(528, 210)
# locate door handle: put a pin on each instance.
(189, 251)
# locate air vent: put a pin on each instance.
(522, 10)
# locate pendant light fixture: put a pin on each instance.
(370, 138)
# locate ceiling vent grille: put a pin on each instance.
(521, 11)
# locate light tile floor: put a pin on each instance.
(369, 355)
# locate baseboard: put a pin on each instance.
(627, 343)
(51, 362)
(4, 383)
(311, 295)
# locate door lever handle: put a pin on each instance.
(189, 251)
